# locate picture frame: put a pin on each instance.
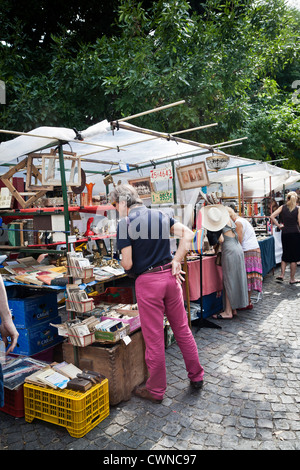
(143, 186)
(192, 176)
(51, 171)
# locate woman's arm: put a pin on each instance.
(275, 214)
(239, 231)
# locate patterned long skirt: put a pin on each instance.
(253, 266)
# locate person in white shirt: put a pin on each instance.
(252, 255)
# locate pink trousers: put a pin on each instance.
(158, 293)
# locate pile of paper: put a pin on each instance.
(78, 300)
(79, 266)
(80, 333)
(105, 272)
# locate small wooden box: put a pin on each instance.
(124, 366)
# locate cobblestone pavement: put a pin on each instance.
(250, 399)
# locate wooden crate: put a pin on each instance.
(124, 366)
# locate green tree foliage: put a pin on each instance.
(234, 62)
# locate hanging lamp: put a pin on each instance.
(217, 161)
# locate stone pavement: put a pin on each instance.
(250, 399)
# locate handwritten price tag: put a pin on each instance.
(160, 174)
(162, 197)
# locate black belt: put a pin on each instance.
(161, 267)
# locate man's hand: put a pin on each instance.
(177, 271)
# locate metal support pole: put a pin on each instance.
(174, 183)
(67, 222)
(239, 189)
(64, 192)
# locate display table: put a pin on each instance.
(267, 248)
(212, 277)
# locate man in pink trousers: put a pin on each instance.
(143, 238)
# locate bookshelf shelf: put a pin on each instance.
(53, 210)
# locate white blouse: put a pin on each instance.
(249, 241)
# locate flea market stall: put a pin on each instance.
(71, 301)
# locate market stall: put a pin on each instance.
(62, 210)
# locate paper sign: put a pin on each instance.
(160, 174)
(162, 197)
(126, 340)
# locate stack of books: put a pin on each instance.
(64, 375)
(27, 271)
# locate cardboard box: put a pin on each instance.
(30, 309)
(134, 322)
(37, 338)
(112, 336)
(124, 366)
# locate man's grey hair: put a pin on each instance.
(125, 192)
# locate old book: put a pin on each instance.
(48, 276)
(99, 377)
(80, 385)
(57, 380)
(29, 279)
(89, 377)
(34, 378)
(57, 269)
(69, 370)
(48, 377)
(28, 261)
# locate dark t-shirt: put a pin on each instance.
(148, 232)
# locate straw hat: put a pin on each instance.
(214, 217)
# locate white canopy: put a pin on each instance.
(103, 149)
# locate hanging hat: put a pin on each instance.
(212, 198)
(214, 217)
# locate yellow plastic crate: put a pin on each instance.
(79, 412)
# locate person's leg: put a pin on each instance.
(149, 295)
(1, 388)
(283, 268)
(293, 269)
(228, 312)
(177, 316)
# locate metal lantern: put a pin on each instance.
(217, 161)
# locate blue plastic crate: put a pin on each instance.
(38, 338)
(29, 309)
